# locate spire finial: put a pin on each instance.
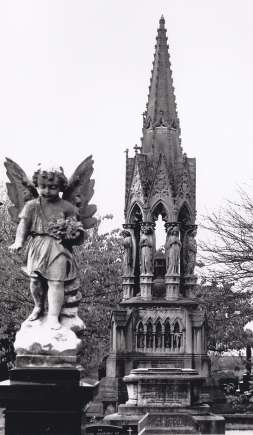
(162, 22)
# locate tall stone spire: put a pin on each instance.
(160, 178)
(161, 99)
(161, 108)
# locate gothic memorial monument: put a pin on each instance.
(158, 332)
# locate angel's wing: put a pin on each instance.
(20, 189)
(80, 192)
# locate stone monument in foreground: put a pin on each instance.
(44, 394)
(158, 332)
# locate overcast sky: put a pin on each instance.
(74, 80)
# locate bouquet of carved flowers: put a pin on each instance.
(67, 230)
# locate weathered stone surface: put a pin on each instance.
(163, 387)
(37, 338)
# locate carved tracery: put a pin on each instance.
(162, 336)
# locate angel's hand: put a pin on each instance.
(15, 247)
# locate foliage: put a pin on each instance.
(14, 297)
(228, 254)
(100, 261)
(240, 403)
(227, 313)
(228, 259)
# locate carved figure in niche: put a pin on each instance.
(146, 246)
(190, 252)
(51, 226)
(161, 120)
(172, 250)
(128, 253)
(146, 120)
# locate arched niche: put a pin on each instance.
(177, 324)
(167, 334)
(159, 215)
(158, 334)
(149, 335)
(184, 215)
(140, 335)
(135, 214)
(177, 335)
(159, 209)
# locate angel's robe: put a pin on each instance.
(45, 255)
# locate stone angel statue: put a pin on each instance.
(51, 225)
(172, 249)
(190, 251)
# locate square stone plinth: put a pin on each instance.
(163, 387)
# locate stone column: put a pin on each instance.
(189, 285)
(198, 345)
(128, 287)
(188, 333)
(172, 283)
(146, 286)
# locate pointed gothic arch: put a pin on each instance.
(136, 213)
(158, 334)
(159, 208)
(177, 321)
(177, 335)
(176, 328)
(140, 335)
(185, 214)
(149, 335)
(167, 334)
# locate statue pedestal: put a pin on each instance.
(44, 394)
(189, 284)
(44, 401)
(36, 344)
(172, 283)
(128, 287)
(146, 286)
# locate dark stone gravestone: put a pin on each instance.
(104, 429)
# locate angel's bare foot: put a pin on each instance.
(35, 314)
(53, 322)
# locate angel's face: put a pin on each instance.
(48, 189)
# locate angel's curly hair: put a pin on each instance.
(51, 174)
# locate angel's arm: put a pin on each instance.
(21, 234)
(22, 229)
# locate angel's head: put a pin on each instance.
(50, 182)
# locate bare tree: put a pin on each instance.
(228, 251)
